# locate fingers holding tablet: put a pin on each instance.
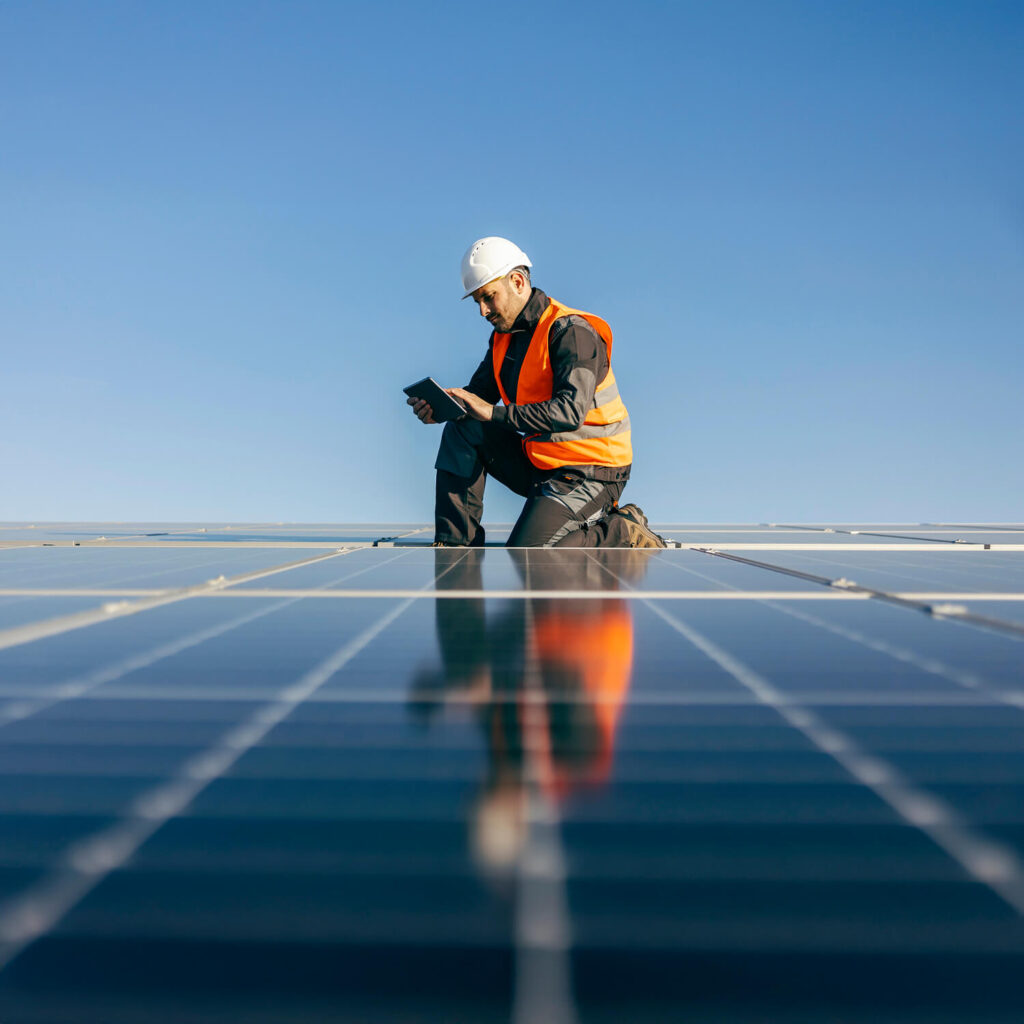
(422, 409)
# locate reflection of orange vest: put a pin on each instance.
(598, 645)
(603, 438)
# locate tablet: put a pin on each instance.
(443, 405)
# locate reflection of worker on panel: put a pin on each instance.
(547, 678)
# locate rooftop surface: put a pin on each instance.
(321, 772)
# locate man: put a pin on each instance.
(560, 437)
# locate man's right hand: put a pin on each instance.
(422, 410)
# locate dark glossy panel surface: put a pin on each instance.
(20, 610)
(449, 808)
(1007, 611)
(135, 567)
(694, 570)
(942, 570)
(328, 533)
(365, 568)
(40, 667)
(712, 538)
(973, 660)
(798, 657)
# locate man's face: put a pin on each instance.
(500, 303)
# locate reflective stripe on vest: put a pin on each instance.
(603, 439)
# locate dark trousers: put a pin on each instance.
(565, 509)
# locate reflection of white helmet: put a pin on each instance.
(489, 258)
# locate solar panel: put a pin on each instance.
(754, 777)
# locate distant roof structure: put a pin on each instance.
(317, 772)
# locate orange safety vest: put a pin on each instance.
(603, 439)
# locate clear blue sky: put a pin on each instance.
(230, 232)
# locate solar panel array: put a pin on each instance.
(268, 772)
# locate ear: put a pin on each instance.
(518, 281)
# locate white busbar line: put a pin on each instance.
(320, 545)
(838, 698)
(597, 595)
(934, 548)
(661, 595)
(118, 609)
(83, 591)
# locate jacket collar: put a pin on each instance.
(531, 312)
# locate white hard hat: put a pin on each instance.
(489, 258)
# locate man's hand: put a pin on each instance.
(422, 410)
(473, 404)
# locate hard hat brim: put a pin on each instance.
(497, 277)
(470, 292)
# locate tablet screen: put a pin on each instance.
(443, 405)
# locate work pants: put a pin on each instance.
(566, 509)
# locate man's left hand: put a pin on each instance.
(473, 404)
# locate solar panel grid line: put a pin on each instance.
(656, 732)
(651, 770)
(192, 560)
(663, 595)
(987, 861)
(34, 912)
(79, 687)
(895, 546)
(837, 528)
(79, 620)
(212, 532)
(1008, 527)
(184, 545)
(997, 575)
(35, 574)
(369, 696)
(919, 535)
(276, 592)
(542, 989)
(527, 595)
(954, 612)
(904, 527)
(993, 567)
(932, 665)
(919, 546)
(907, 536)
(971, 537)
(81, 591)
(927, 664)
